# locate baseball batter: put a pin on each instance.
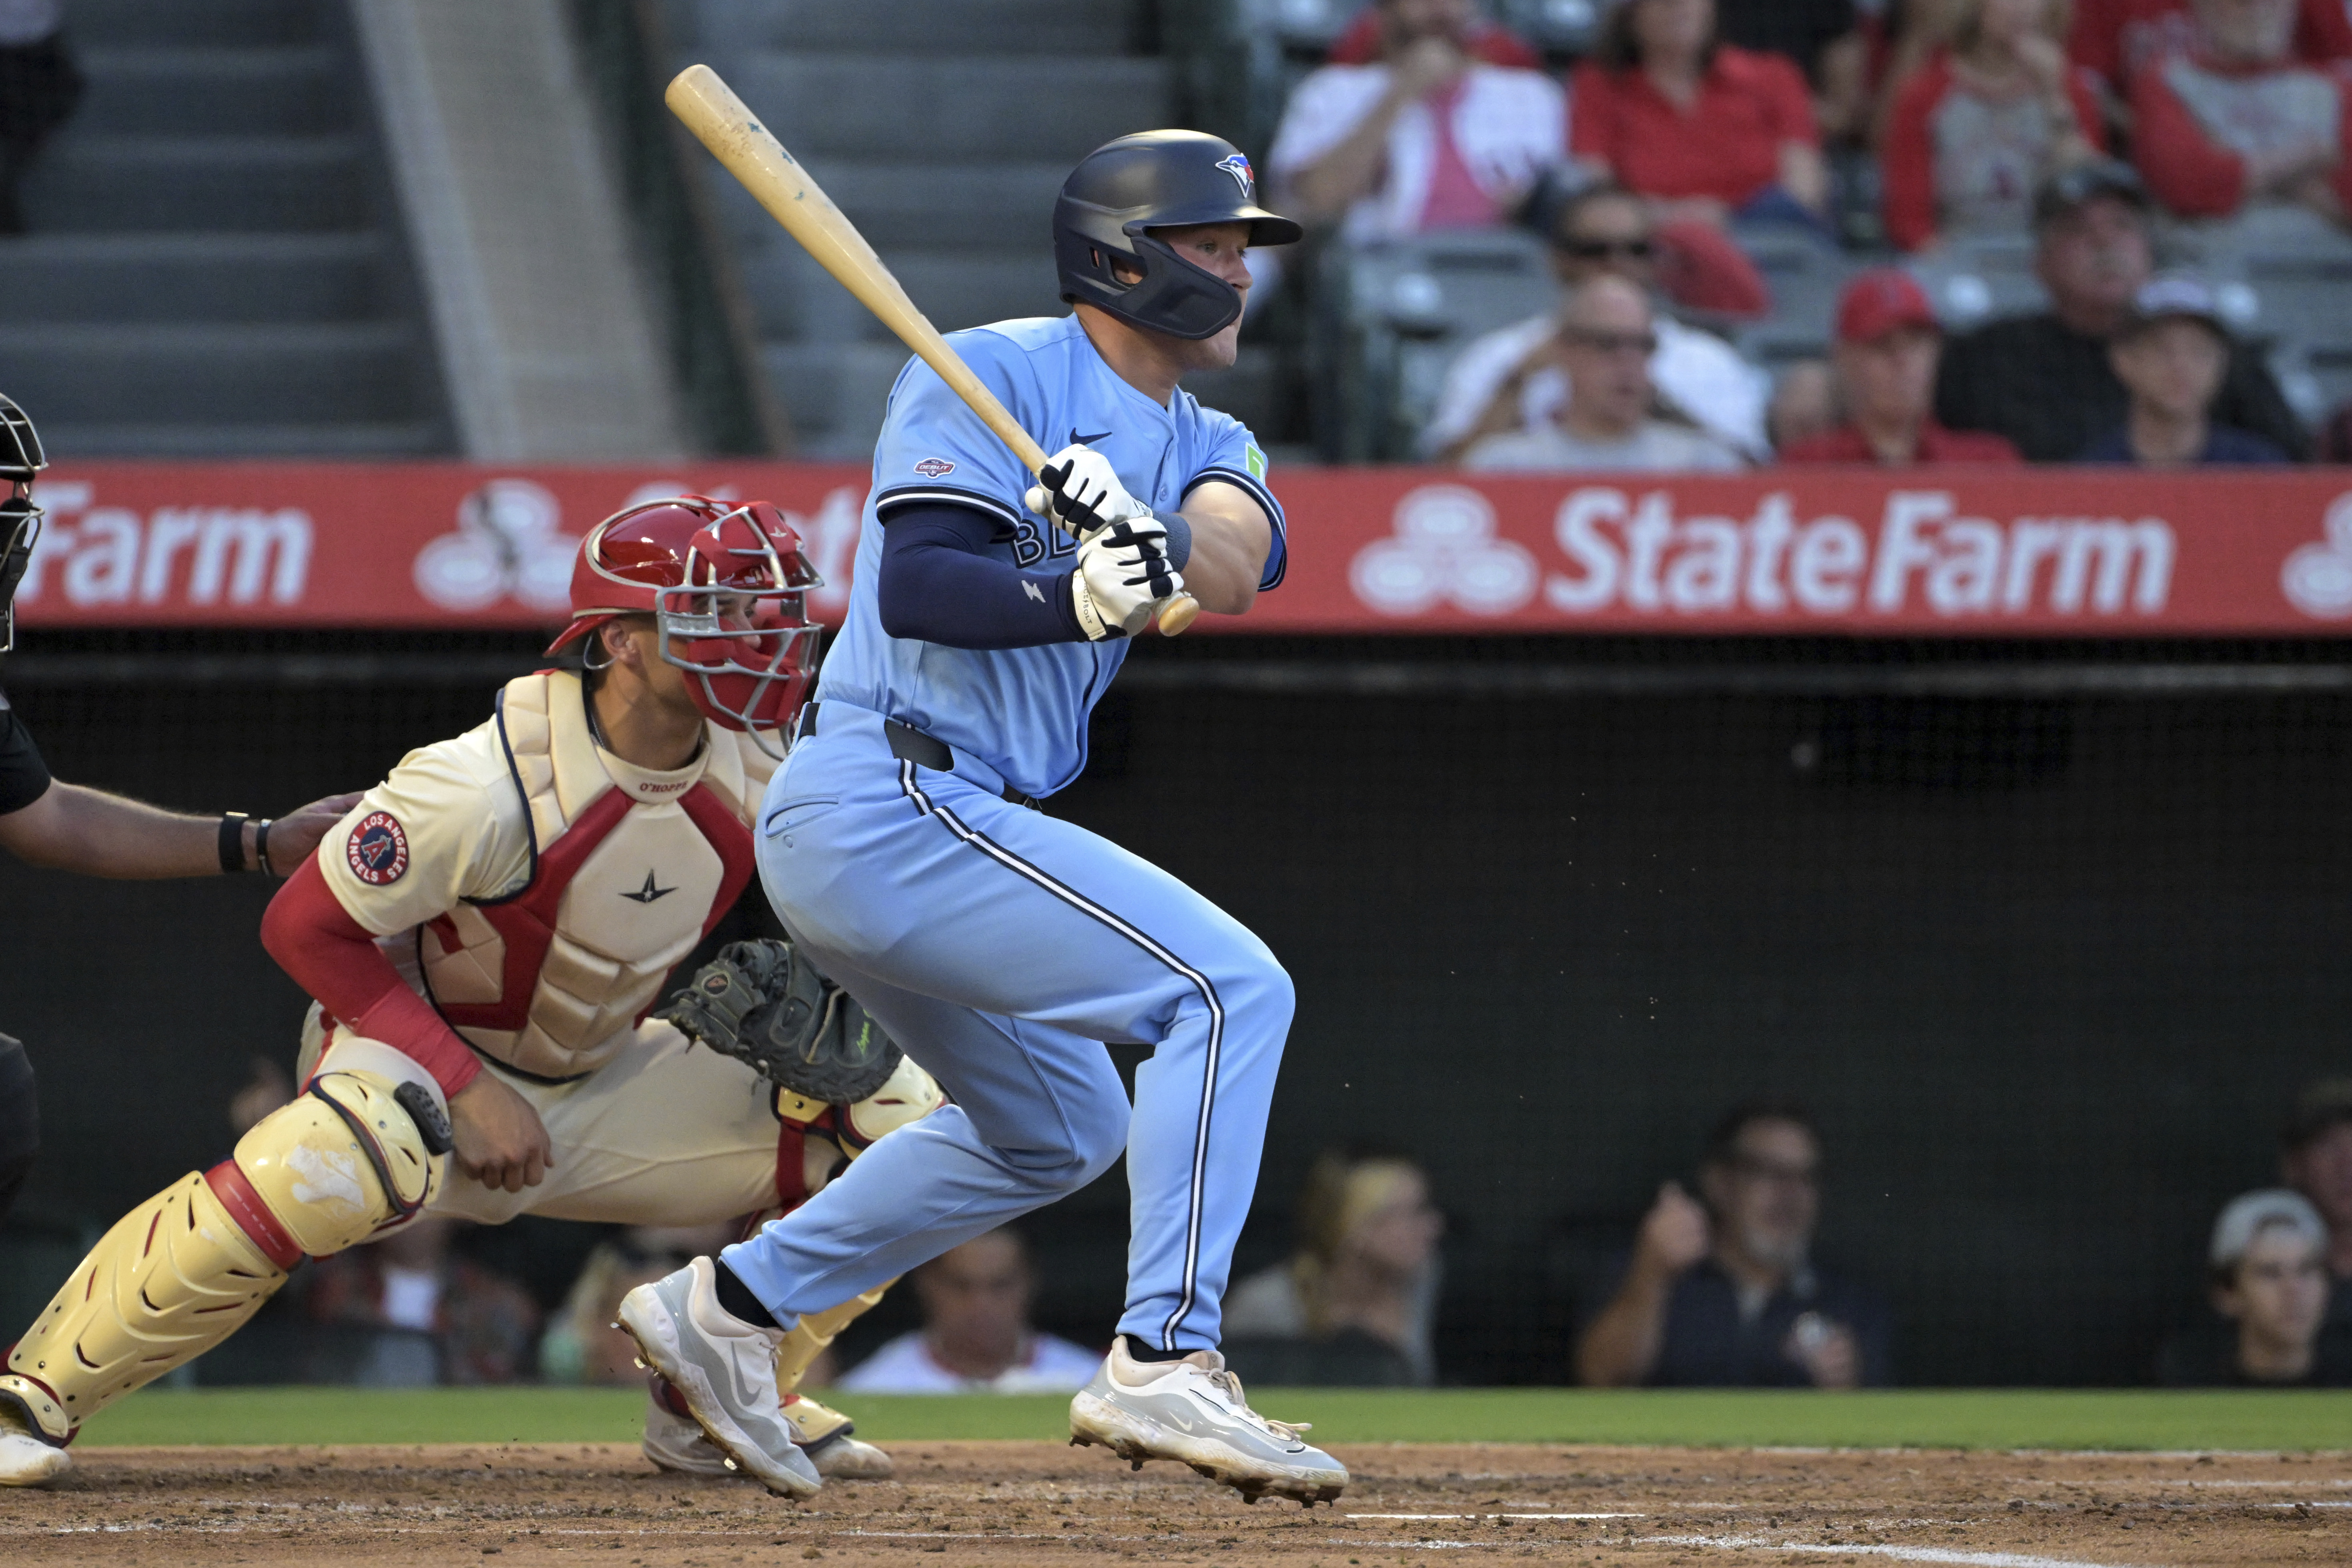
(902, 845)
(486, 933)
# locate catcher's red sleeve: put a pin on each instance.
(334, 957)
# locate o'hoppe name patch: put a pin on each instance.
(934, 468)
(378, 849)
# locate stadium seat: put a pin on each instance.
(1392, 317)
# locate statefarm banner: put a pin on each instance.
(1954, 551)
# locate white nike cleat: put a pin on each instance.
(725, 1370)
(673, 1442)
(27, 1460)
(1193, 1411)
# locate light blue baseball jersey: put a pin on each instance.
(1021, 710)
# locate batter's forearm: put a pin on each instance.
(74, 829)
(1229, 552)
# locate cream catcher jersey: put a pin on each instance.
(536, 888)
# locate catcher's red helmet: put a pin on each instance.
(727, 581)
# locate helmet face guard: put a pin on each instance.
(1174, 296)
(21, 459)
(741, 612)
(20, 529)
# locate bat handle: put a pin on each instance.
(1177, 612)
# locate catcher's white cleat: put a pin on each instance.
(1193, 1411)
(725, 1370)
(25, 1458)
(673, 1442)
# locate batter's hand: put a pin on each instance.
(294, 838)
(1123, 575)
(1080, 492)
(501, 1143)
(1674, 1233)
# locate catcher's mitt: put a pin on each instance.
(765, 1004)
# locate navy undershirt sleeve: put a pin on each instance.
(939, 584)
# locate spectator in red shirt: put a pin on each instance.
(1888, 344)
(1983, 122)
(2113, 39)
(2235, 119)
(1701, 128)
(1430, 138)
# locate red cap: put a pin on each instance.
(1881, 300)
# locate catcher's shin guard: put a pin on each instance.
(816, 1330)
(186, 1270)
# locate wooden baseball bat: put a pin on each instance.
(722, 122)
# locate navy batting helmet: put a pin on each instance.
(1157, 179)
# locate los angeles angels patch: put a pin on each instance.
(378, 849)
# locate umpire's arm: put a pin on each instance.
(1231, 539)
(72, 827)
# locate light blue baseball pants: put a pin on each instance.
(1000, 948)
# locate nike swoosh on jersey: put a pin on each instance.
(1078, 440)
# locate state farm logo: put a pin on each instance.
(1641, 556)
(507, 542)
(2317, 578)
(94, 555)
(1625, 555)
(1444, 550)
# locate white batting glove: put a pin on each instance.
(1122, 574)
(1080, 492)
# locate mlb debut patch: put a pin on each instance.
(934, 468)
(378, 851)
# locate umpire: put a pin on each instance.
(68, 828)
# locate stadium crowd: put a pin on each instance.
(2138, 150)
(1718, 1287)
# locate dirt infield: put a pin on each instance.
(1003, 1503)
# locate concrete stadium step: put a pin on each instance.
(240, 183)
(146, 373)
(948, 110)
(835, 394)
(194, 23)
(66, 277)
(989, 205)
(1058, 27)
(969, 289)
(293, 90)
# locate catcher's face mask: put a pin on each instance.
(21, 458)
(742, 615)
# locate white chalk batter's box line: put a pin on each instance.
(1938, 1554)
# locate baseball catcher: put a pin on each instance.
(486, 935)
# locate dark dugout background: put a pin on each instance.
(2046, 935)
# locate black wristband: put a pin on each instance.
(261, 845)
(232, 842)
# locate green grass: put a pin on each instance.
(2036, 1418)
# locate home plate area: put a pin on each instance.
(1034, 1502)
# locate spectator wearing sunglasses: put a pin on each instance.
(1604, 344)
(1888, 345)
(1513, 379)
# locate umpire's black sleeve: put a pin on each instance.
(23, 776)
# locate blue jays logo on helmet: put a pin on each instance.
(1238, 167)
